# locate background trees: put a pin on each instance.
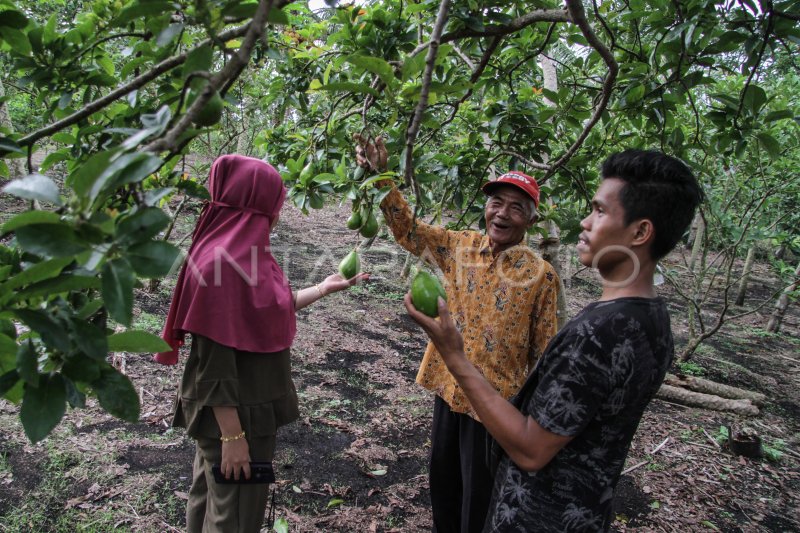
(117, 94)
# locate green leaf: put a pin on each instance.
(90, 339)
(75, 398)
(50, 240)
(193, 189)
(8, 353)
(281, 525)
(16, 39)
(8, 329)
(28, 363)
(7, 146)
(199, 59)
(30, 217)
(334, 502)
(413, 66)
(142, 225)
(10, 381)
(360, 88)
(49, 35)
(37, 272)
(43, 407)
(779, 115)
(13, 19)
(152, 259)
(755, 98)
(116, 395)
(117, 289)
(46, 326)
(375, 65)
(137, 341)
(168, 34)
(84, 177)
(58, 285)
(141, 10)
(53, 158)
(770, 144)
(34, 187)
(245, 10)
(89, 309)
(81, 368)
(634, 93)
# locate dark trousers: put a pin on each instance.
(460, 482)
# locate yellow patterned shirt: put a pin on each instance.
(505, 305)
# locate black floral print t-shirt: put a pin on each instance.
(593, 382)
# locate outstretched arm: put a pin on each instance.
(527, 443)
(333, 283)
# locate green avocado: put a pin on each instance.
(370, 227)
(211, 113)
(425, 291)
(354, 222)
(350, 265)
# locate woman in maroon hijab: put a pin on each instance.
(237, 305)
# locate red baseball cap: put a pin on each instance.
(517, 179)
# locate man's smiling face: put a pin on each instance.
(508, 216)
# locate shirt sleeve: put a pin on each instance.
(574, 382)
(544, 315)
(421, 239)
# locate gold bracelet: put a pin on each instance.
(233, 437)
(321, 294)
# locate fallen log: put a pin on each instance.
(712, 387)
(708, 401)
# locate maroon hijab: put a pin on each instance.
(231, 289)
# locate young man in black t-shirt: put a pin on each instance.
(561, 442)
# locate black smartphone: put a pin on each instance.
(260, 472)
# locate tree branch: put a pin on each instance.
(234, 67)
(416, 119)
(540, 15)
(136, 83)
(578, 16)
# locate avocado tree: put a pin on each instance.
(117, 92)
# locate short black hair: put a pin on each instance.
(658, 187)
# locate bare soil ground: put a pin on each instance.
(357, 459)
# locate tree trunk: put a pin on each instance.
(706, 401)
(783, 303)
(697, 244)
(748, 267)
(15, 168)
(243, 142)
(550, 246)
(712, 387)
(407, 264)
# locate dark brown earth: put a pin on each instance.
(357, 459)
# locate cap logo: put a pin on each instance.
(512, 176)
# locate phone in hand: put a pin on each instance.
(260, 472)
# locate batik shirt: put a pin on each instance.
(504, 305)
(593, 383)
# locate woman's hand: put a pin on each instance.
(235, 459)
(335, 282)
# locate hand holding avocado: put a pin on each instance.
(337, 282)
(442, 332)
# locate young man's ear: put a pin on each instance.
(643, 232)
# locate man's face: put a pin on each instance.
(508, 215)
(605, 228)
